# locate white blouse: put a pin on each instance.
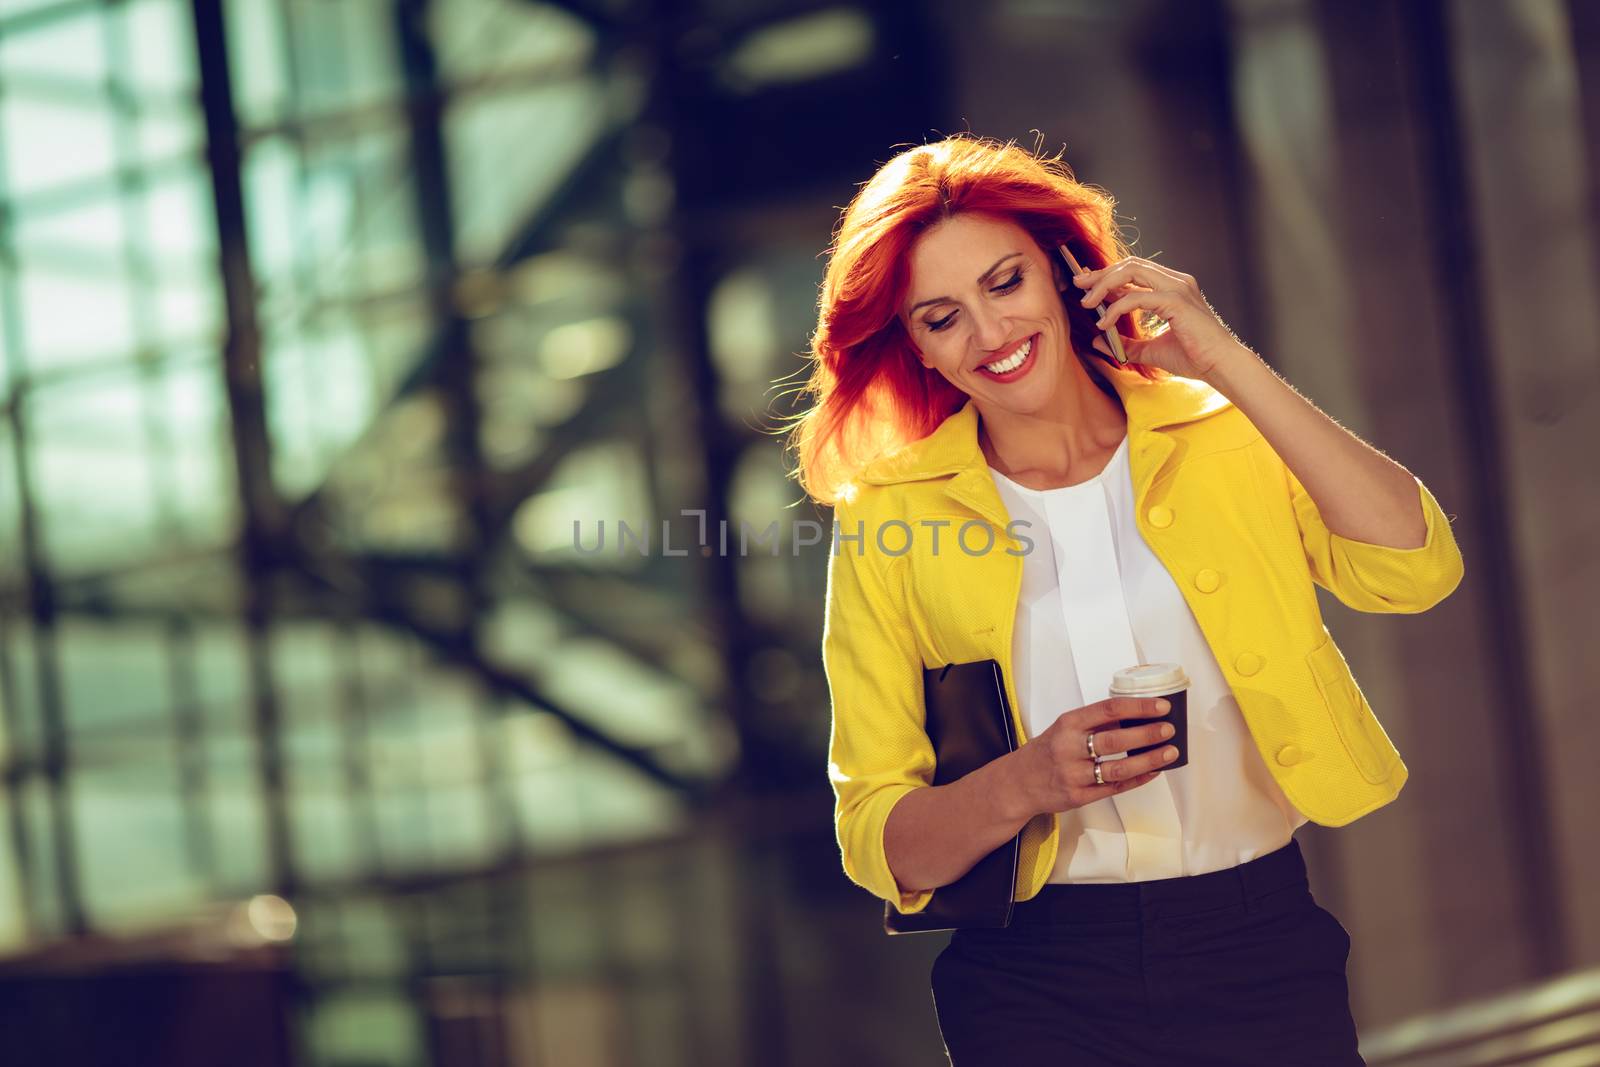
(1095, 599)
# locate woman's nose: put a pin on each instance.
(990, 329)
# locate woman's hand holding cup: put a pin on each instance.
(1054, 771)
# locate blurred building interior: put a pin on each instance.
(324, 325)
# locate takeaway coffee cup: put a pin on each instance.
(1166, 680)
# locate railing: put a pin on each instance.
(1554, 1024)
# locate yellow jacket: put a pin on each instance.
(1229, 521)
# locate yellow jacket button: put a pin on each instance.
(1289, 755)
(1248, 663)
(1160, 517)
(1207, 580)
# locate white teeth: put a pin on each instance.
(1011, 362)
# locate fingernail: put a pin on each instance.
(1085, 301)
(1167, 731)
(1168, 755)
(1164, 705)
(1080, 277)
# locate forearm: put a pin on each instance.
(937, 834)
(1361, 493)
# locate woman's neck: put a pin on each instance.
(1067, 444)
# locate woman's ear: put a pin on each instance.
(1057, 268)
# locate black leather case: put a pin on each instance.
(969, 722)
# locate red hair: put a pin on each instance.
(873, 395)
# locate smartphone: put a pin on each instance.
(1113, 338)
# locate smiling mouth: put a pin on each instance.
(1009, 367)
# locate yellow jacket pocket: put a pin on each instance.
(1363, 735)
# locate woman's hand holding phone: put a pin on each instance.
(1194, 340)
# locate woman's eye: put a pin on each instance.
(1006, 287)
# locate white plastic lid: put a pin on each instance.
(1149, 679)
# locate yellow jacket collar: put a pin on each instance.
(953, 446)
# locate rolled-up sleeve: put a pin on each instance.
(878, 750)
(1380, 578)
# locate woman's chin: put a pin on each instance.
(1026, 397)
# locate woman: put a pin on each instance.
(1094, 516)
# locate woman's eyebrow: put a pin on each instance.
(985, 276)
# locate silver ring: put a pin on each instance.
(1089, 738)
(1097, 779)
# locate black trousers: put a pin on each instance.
(1229, 968)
